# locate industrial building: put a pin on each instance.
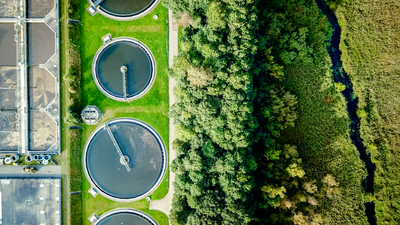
(30, 201)
(29, 77)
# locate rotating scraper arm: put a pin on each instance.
(117, 147)
(97, 3)
(124, 69)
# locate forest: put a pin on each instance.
(262, 129)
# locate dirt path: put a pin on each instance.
(164, 205)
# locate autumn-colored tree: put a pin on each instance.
(312, 200)
(330, 180)
(310, 187)
(199, 77)
(300, 219)
(185, 20)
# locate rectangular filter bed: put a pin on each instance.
(29, 77)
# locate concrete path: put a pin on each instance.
(164, 205)
(43, 171)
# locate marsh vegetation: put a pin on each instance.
(370, 47)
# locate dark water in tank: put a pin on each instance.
(124, 53)
(124, 218)
(125, 7)
(143, 150)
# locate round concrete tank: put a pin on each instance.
(125, 10)
(125, 217)
(125, 159)
(124, 69)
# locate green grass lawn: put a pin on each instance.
(152, 108)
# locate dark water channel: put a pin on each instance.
(124, 218)
(341, 76)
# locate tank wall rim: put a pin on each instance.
(127, 18)
(126, 210)
(143, 91)
(164, 161)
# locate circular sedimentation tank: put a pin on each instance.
(125, 10)
(126, 217)
(124, 69)
(124, 159)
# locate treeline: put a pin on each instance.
(262, 130)
(73, 76)
(214, 118)
(72, 82)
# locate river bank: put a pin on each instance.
(340, 76)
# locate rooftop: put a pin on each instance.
(29, 77)
(30, 201)
(91, 115)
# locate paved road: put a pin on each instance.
(164, 205)
(43, 171)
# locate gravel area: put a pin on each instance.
(8, 76)
(42, 87)
(8, 131)
(42, 132)
(6, 8)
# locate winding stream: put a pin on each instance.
(341, 76)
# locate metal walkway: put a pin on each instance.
(124, 81)
(98, 2)
(122, 157)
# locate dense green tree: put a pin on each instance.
(214, 112)
(73, 115)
